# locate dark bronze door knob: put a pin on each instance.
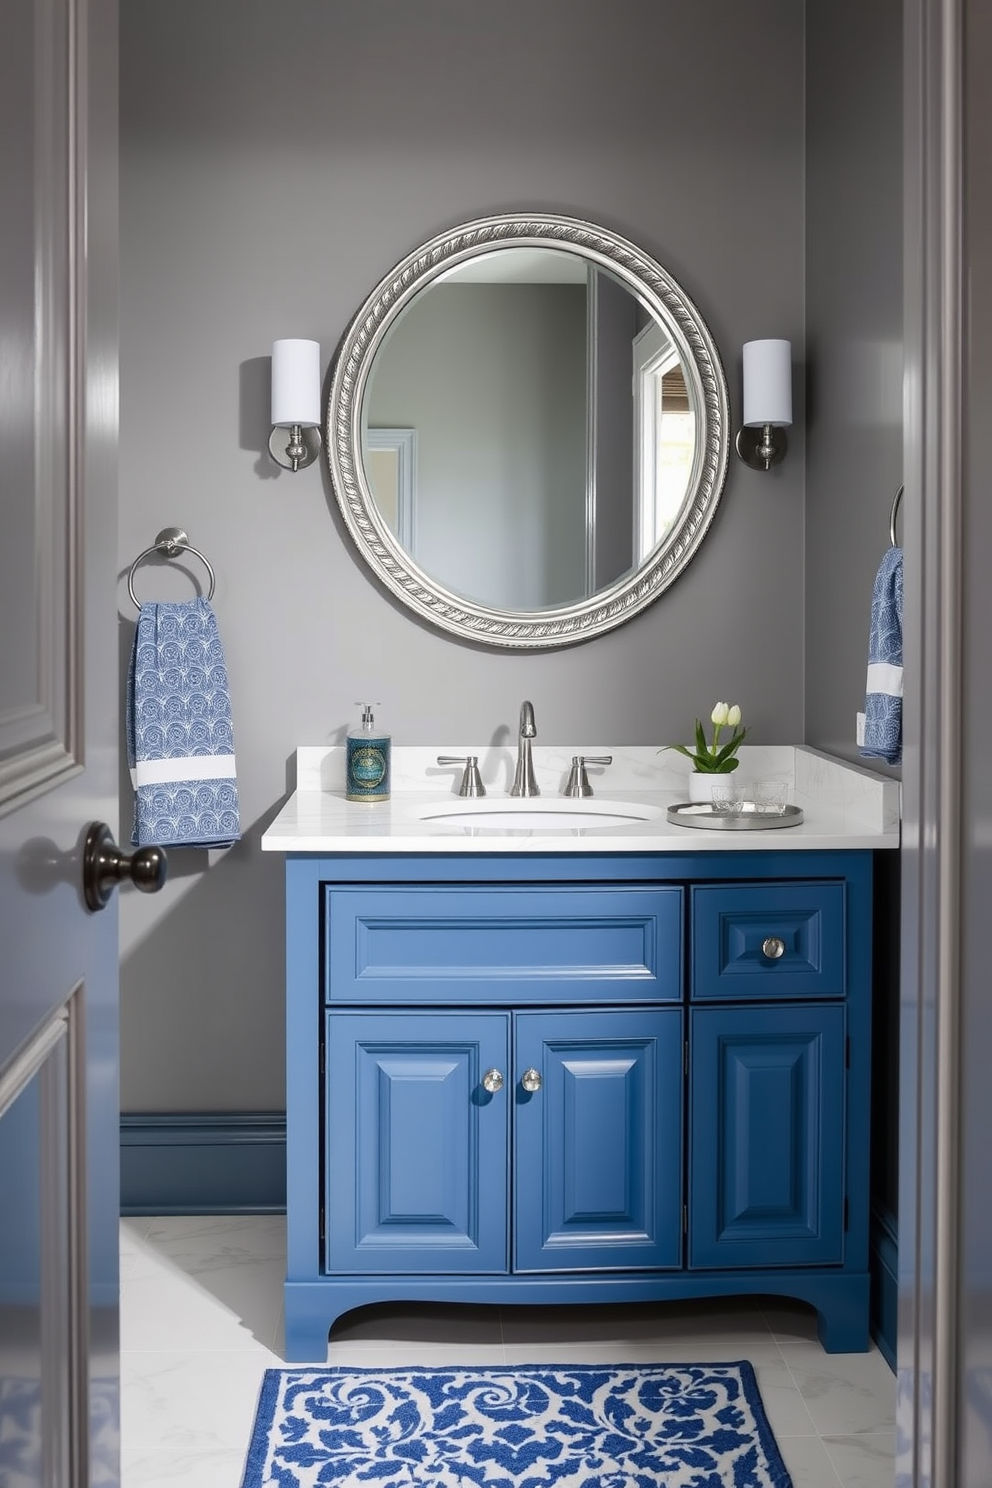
(105, 865)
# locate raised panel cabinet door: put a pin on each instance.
(416, 1144)
(597, 1140)
(766, 1136)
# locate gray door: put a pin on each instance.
(58, 743)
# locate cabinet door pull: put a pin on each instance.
(531, 1080)
(492, 1081)
(773, 947)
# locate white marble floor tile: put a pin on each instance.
(788, 1319)
(208, 1242)
(807, 1460)
(169, 1469)
(278, 1344)
(132, 1235)
(184, 1401)
(241, 1270)
(170, 1312)
(784, 1405)
(250, 1292)
(847, 1394)
(863, 1461)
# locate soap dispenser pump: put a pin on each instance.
(367, 759)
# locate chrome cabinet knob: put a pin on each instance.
(531, 1080)
(492, 1081)
(105, 865)
(773, 948)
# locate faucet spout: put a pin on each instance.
(524, 779)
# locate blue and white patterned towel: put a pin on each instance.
(180, 742)
(881, 735)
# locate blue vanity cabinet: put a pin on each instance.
(767, 1155)
(768, 1042)
(537, 1077)
(418, 1169)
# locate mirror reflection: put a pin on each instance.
(529, 435)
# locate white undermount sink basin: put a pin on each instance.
(537, 814)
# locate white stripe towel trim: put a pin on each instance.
(187, 767)
(884, 677)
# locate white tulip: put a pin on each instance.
(733, 715)
(720, 714)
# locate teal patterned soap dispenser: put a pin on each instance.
(367, 759)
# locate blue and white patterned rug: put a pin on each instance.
(537, 1426)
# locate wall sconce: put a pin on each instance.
(295, 403)
(761, 442)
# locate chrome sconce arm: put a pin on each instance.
(295, 447)
(761, 448)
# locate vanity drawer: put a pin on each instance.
(441, 944)
(768, 941)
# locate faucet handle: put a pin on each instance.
(471, 779)
(577, 783)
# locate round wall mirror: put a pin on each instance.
(527, 430)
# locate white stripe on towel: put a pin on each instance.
(188, 767)
(884, 677)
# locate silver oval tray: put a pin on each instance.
(750, 818)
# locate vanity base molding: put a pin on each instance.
(536, 1078)
(312, 1307)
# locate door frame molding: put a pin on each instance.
(932, 991)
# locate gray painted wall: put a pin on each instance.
(854, 345)
(278, 157)
(854, 322)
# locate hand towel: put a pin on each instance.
(180, 742)
(882, 731)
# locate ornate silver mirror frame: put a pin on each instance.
(672, 308)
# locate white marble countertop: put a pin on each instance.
(844, 806)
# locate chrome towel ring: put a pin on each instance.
(893, 513)
(170, 542)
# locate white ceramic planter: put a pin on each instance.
(701, 785)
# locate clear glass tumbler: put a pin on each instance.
(728, 795)
(771, 796)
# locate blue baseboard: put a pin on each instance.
(883, 1265)
(193, 1163)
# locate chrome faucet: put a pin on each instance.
(524, 781)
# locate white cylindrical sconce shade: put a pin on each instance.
(296, 384)
(767, 383)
